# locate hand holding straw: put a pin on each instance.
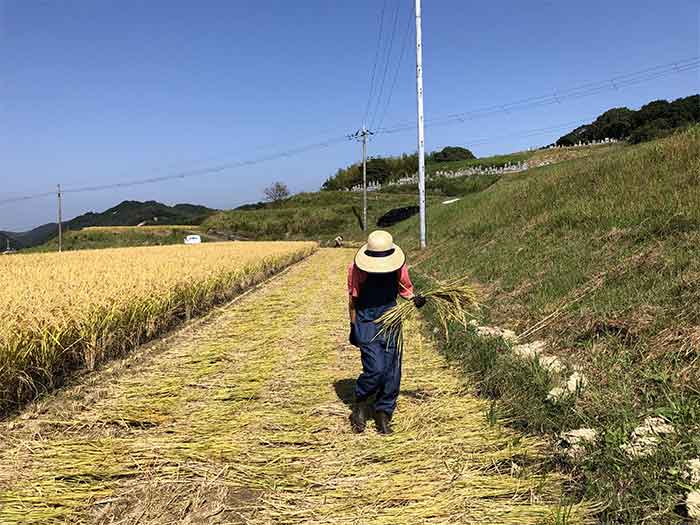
(453, 301)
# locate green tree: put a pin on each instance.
(451, 153)
(655, 119)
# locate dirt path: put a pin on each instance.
(243, 419)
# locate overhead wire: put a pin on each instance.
(184, 174)
(390, 48)
(558, 96)
(530, 132)
(404, 43)
(27, 197)
(374, 67)
(588, 89)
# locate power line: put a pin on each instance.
(530, 132)
(374, 67)
(251, 162)
(407, 33)
(589, 89)
(213, 169)
(390, 47)
(585, 90)
(559, 96)
(184, 174)
(27, 197)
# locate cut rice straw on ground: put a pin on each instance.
(244, 419)
(453, 302)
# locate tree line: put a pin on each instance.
(387, 169)
(653, 120)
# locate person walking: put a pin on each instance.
(376, 277)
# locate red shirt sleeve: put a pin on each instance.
(355, 279)
(405, 284)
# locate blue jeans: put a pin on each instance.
(381, 363)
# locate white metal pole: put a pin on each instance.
(60, 220)
(364, 179)
(421, 132)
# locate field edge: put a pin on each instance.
(257, 274)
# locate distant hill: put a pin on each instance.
(98, 237)
(127, 213)
(39, 235)
(133, 213)
(653, 120)
(4, 238)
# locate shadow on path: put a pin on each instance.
(345, 390)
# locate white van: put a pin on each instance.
(193, 239)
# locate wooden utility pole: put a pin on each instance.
(421, 131)
(60, 219)
(364, 178)
(362, 135)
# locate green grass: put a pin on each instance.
(120, 237)
(625, 225)
(465, 185)
(456, 187)
(317, 216)
(495, 161)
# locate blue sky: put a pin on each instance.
(97, 91)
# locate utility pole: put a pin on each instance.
(364, 179)
(362, 135)
(421, 131)
(60, 219)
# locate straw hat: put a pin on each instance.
(380, 254)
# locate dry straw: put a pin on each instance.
(247, 405)
(453, 302)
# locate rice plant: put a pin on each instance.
(453, 302)
(73, 310)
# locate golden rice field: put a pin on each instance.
(72, 310)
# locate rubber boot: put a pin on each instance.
(382, 420)
(358, 418)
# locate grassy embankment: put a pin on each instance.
(605, 251)
(74, 310)
(461, 186)
(97, 237)
(323, 215)
(319, 216)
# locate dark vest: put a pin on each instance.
(379, 289)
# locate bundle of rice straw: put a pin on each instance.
(453, 301)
